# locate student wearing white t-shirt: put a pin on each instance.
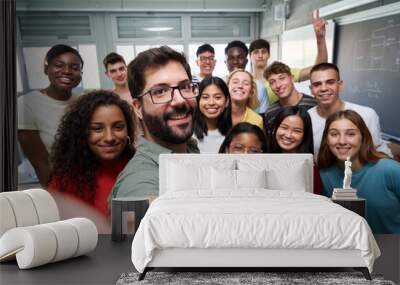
(40, 111)
(212, 118)
(326, 86)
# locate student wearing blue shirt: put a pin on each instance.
(375, 176)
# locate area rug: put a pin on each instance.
(243, 278)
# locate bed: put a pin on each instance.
(241, 211)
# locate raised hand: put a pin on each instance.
(319, 25)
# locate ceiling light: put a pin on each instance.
(158, 29)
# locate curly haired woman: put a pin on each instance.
(92, 146)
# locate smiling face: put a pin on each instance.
(325, 86)
(108, 133)
(212, 102)
(259, 58)
(240, 87)
(206, 63)
(117, 72)
(282, 84)
(170, 122)
(245, 143)
(64, 71)
(235, 58)
(290, 133)
(344, 139)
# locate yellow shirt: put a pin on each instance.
(253, 118)
(272, 98)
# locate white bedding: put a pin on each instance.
(251, 218)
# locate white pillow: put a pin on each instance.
(292, 178)
(223, 179)
(237, 179)
(251, 178)
(186, 176)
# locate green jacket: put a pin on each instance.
(140, 176)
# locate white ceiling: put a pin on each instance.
(144, 6)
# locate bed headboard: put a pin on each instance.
(291, 168)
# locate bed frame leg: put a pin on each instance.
(143, 274)
(364, 271)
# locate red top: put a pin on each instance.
(105, 179)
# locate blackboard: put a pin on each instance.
(368, 56)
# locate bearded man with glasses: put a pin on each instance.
(164, 99)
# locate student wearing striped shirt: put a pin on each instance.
(281, 81)
(259, 51)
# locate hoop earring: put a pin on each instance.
(128, 139)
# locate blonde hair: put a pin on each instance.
(253, 101)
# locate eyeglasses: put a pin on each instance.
(205, 58)
(165, 94)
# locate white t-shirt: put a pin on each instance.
(37, 111)
(210, 143)
(369, 116)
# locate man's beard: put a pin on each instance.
(158, 126)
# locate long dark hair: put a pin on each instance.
(307, 144)
(244, 128)
(368, 152)
(224, 123)
(71, 158)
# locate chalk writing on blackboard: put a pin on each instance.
(379, 51)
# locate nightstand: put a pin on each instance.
(356, 205)
(138, 205)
